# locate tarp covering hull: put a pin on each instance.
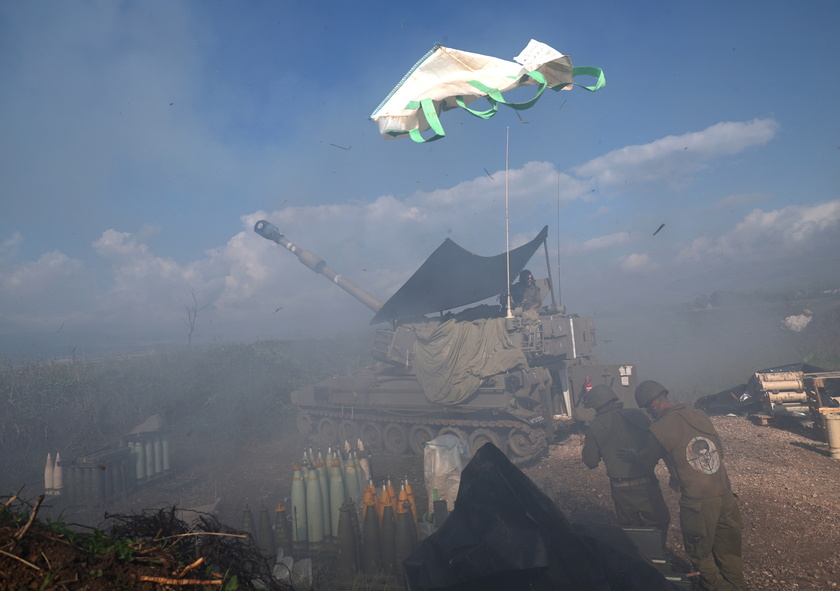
(452, 358)
(452, 277)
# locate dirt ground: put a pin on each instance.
(788, 489)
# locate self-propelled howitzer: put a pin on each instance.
(514, 379)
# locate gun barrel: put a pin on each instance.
(317, 264)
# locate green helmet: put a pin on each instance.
(648, 391)
(599, 396)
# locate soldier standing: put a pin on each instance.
(709, 516)
(634, 487)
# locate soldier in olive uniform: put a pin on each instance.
(635, 489)
(525, 294)
(709, 517)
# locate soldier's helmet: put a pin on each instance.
(647, 391)
(599, 396)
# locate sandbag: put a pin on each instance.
(444, 458)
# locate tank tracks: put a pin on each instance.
(397, 434)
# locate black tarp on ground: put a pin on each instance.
(505, 534)
(452, 277)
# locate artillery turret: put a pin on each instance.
(483, 374)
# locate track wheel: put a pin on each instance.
(395, 439)
(459, 433)
(348, 431)
(327, 431)
(371, 435)
(418, 435)
(521, 445)
(481, 436)
(304, 424)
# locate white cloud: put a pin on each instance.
(149, 292)
(9, 250)
(43, 291)
(246, 268)
(133, 263)
(637, 263)
(598, 243)
(785, 232)
(739, 200)
(533, 185)
(40, 275)
(672, 158)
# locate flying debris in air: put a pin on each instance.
(446, 78)
(342, 147)
(659, 228)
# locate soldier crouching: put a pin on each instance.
(634, 487)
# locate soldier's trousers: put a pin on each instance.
(641, 505)
(711, 530)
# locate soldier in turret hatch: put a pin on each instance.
(634, 487)
(526, 295)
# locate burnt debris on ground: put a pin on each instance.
(150, 550)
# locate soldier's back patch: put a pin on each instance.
(703, 455)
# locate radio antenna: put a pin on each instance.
(507, 223)
(559, 297)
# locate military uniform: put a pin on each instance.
(709, 517)
(525, 295)
(531, 297)
(634, 487)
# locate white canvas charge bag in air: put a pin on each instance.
(447, 78)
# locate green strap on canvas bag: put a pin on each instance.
(495, 98)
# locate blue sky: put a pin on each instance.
(142, 140)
